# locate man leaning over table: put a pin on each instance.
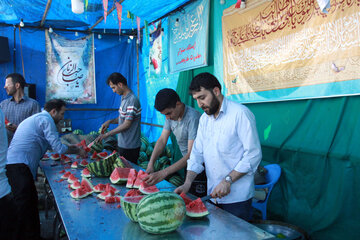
(227, 143)
(33, 137)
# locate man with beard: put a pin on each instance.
(227, 143)
(18, 107)
(33, 137)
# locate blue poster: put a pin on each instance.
(188, 37)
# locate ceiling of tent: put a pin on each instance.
(60, 16)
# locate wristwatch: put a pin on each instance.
(228, 179)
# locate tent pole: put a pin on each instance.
(45, 13)
(102, 18)
(14, 50)
(137, 69)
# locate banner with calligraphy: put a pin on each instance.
(188, 34)
(290, 49)
(70, 69)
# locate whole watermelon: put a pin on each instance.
(161, 212)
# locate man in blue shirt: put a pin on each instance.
(18, 107)
(228, 144)
(33, 137)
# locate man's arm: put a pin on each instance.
(122, 127)
(190, 176)
(158, 149)
(73, 149)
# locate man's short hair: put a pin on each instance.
(205, 80)
(166, 98)
(56, 104)
(116, 78)
(17, 78)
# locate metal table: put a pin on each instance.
(91, 218)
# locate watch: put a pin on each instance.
(228, 179)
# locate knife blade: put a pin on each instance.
(207, 197)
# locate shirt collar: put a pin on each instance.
(222, 109)
(24, 98)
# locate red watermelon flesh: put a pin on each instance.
(72, 178)
(119, 175)
(85, 173)
(84, 163)
(94, 156)
(55, 156)
(78, 157)
(186, 199)
(62, 171)
(63, 157)
(87, 185)
(139, 178)
(108, 187)
(74, 165)
(100, 187)
(66, 175)
(82, 144)
(196, 209)
(79, 193)
(106, 194)
(102, 155)
(146, 189)
(113, 199)
(133, 192)
(131, 178)
(45, 156)
(75, 185)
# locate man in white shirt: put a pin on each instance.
(227, 143)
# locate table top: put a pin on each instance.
(92, 218)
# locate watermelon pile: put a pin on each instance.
(86, 188)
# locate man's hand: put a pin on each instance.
(104, 126)
(149, 169)
(183, 188)
(12, 127)
(155, 177)
(101, 137)
(82, 153)
(221, 190)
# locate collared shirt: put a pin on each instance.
(185, 129)
(16, 112)
(130, 109)
(226, 143)
(4, 184)
(33, 137)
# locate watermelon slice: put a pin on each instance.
(186, 199)
(100, 188)
(131, 178)
(106, 194)
(82, 144)
(113, 199)
(146, 189)
(68, 160)
(119, 175)
(72, 178)
(75, 185)
(94, 156)
(85, 173)
(46, 157)
(87, 185)
(79, 193)
(196, 209)
(102, 155)
(133, 192)
(63, 157)
(66, 175)
(139, 178)
(62, 171)
(55, 156)
(74, 165)
(84, 163)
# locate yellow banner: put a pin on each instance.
(281, 44)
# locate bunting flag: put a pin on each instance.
(138, 28)
(146, 25)
(130, 16)
(238, 3)
(86, 4)
(105, 5)
(119, 13)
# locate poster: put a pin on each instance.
(156, 52)
(70, 69)
(281, 50)
(189, 36)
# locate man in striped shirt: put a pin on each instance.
(128, 129)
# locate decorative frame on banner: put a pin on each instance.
(70, 69)
(283, 50)
(189, 37)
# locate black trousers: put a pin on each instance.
(26, 201)
(8, 218)
(131, 154)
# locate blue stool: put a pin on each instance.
(272, 176)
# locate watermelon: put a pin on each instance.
(145, 140)
(104, 167)
(68, 160)
(144, 164)
(129, 206)
(119, 175)
(149, 150)
(55, 156)
(96, 146)
(139, 178)
(63, 157)
(102, 155)
(113, 199)
(133, 192)
(75, 185)
(167, 150)
(46, 157)
(176, 180)
(79, 193)
(109, 192)
(196, 209)
(72, 178)
(143, 147)
(131, 178)
(94, 155)
(87, 185)
(78, 132)
(146, 189)
(66, 175)
(85, 173)
(161, 212)
(93, 133)
(142, 157)
(82, 143)
(74, 165)
(119, 163)
(100, 188)
(84, 163)
(186, 199)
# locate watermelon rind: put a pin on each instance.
(104, 167)
(129, 206)
(161, 212)
(79, 193)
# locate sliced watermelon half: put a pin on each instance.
(196, 209)
(85, 173)
(119, 175)
(146, 189)
(79, 193)
(186, 199)
(55, 156)
(74, 165)
(133, 192)
(131, 178)
(84, 163)
(129, 206)
(63, 157)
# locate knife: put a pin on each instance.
(207, 197)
